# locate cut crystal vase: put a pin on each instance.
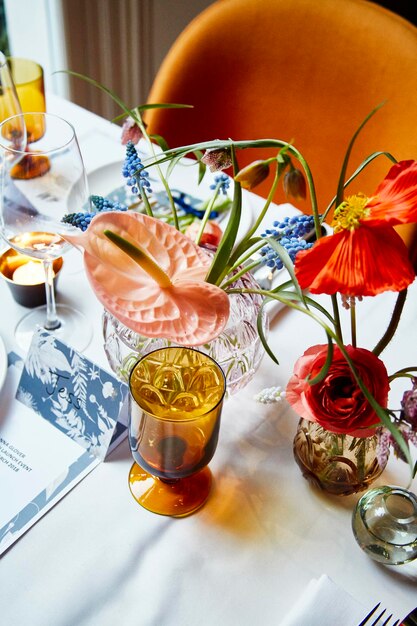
(238, 349)
(337, 464)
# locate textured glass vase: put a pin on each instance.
(338, 464)
(238, 349)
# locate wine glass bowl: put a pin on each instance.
(32, 209)
(176, 398)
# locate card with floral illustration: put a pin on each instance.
(70, 414)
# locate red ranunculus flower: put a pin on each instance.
(337, 403)
(365, 256)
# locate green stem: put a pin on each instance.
(353, 323)
(392, 326)
(278, 173)
(146, 202)
(336, 317)
(207, 212)
(138, 119)
(240, 273)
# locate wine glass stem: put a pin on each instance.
(52, 322)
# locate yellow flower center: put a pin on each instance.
(348, 215)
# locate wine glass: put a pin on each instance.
(27, 76)
(176, 399)
(31, 214)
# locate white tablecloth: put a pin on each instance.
(98, 558)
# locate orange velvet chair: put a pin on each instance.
(298, 70)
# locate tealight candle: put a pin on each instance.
(25, 277)
(31, 273)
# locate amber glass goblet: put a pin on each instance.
(176, 398)
(28, 78)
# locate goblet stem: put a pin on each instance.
(52, 322)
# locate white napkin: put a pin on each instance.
(323, 603)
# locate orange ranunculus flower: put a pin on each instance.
(365, 255)
(337, 403)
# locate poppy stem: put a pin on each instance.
(392, 326)
(336, 316)
(353, 323)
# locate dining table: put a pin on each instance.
(97, 558)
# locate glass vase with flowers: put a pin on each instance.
(158, 282)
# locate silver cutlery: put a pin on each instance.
(378, 617)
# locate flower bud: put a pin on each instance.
(295, 184)
(217, 159)
(253, 174)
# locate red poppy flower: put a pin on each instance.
(365, 256)
(337, 403)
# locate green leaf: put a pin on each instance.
(162, 143)
(323, 372)
(106, 90)
(227, 242)
(164, 105)
(288, 264)
(358, 170)
(261, 334)
(340, 186)
(172, 165)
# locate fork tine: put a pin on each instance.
(371, 612)
(387, 621)
(376, 621)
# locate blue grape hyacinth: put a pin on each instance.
(82, 220)
(290, 233)
(222, 181)
(133, 170)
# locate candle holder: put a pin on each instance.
(20, 273)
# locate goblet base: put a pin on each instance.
(176, 498)
(75, 330)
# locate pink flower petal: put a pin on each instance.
(189, 311)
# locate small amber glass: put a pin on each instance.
(176, 402)
(28, 78)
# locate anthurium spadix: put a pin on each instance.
(151, 277)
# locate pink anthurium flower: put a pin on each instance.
(161, 291)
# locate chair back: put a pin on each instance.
(303, 71)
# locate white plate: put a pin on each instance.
(109, 182)
(3, 363)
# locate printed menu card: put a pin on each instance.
(60, 415)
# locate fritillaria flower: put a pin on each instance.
(253, 174)
(365, 255)
(155, 284)
(294, 184)
(217, 159)
(409, 406)
(131, 131)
